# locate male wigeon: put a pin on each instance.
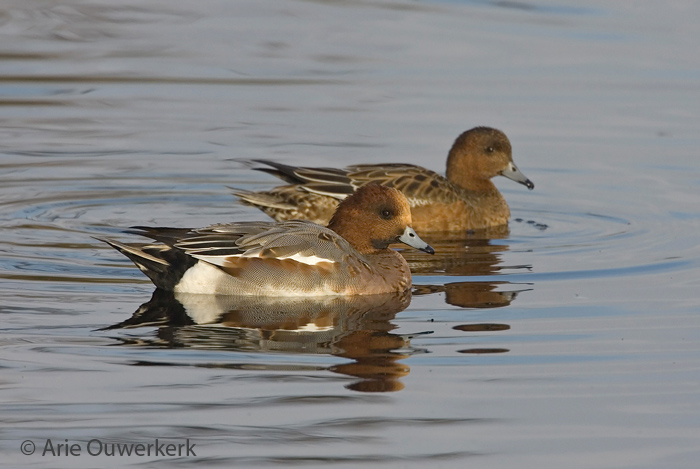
(466, 199)
(351, 256)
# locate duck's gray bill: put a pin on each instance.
(513, 173)
(412, 239)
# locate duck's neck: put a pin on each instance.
(469, 182)
(349, 232)
(482, 186)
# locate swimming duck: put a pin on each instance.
(466, 199)
(349, 257)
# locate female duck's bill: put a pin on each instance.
(514, 174)
(349, 257)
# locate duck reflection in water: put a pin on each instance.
(355, 327)
(467, 254)
(473, 294)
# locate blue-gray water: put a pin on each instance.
(572, 342)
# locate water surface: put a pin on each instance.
(570, 341)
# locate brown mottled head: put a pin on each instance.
(374, 217)
(480, 154)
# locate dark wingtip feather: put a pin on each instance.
(164, 265)
(164, 234)
(284, 172)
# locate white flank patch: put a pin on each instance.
(310, 260)
(223, 260)
(203, 278)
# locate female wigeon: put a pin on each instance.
(349, 257)
(466, 199)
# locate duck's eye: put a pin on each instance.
(386, 214)
(489, 150)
